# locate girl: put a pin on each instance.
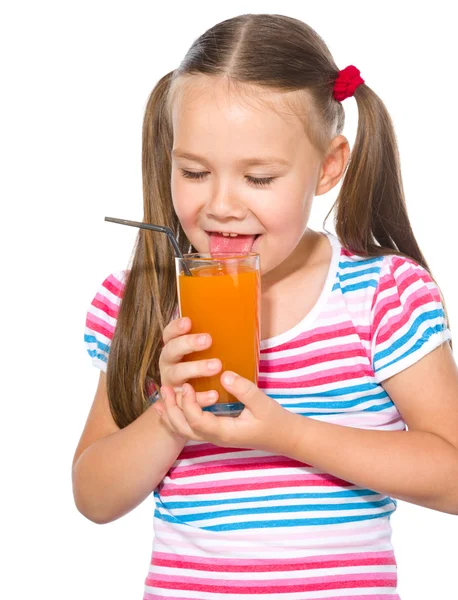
(293, 498)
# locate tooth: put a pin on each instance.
(233, 234)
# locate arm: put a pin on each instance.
(116, 472)
(420, 465)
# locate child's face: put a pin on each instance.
(223, 130)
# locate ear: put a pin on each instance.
(333, 165)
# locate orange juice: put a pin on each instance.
(224, 301)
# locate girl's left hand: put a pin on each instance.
(262, 425)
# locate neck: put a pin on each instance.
(300, 259)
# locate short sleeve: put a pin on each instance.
(101, 319)
(407, 317)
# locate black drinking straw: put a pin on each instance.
(161, 229)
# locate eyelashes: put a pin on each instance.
(256, 181)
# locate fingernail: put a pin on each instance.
(182, 323)
(163, 393)
(184, 389)
(229, 378)
(202, 340)
(211, 395)
(212, 365)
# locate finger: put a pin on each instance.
(178, 347)
(182, 372)
(161, 410)
(165, 419)
(203, 398)
(243, 389)
(175, 414)
(198, 420)
(175, 328)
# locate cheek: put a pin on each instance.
(287, 218)
(183, 200)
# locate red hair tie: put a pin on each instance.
(346, 83)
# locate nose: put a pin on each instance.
(225, 205)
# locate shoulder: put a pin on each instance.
(408, 319)
(102, 315)
(405, 279)
(113, 285)
(357, 277)
(382, 273)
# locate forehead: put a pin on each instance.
(208, 111)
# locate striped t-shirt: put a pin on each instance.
(238, 523)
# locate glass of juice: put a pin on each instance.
(222, 298)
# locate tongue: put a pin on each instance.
(238, 245)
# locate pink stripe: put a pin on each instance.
(333, 313)
(148, 596)
(197, 450)
(264, 549)
(338, 374)
(252, 461)
(247, 464)
(99, 326)
(400, 281)
(115, 286)
(298, 361)
(397, 321)
(358, 297)
(324, 561)
(262, 483)
(102, 303)
(316, 335)
(400, 261)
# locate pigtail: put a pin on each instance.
(150, 296)
(370, 211)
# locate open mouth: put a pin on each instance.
(239, 243)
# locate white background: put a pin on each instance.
(75, 77)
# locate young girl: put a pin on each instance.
(293, 498)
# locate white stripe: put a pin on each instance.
(308, 347)
(314, 369)
(334, 593)
(274, 574)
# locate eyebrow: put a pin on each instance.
(255, 160)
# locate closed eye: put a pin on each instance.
(258, 181)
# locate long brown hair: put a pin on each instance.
(272, 52)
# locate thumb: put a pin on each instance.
(243, 389)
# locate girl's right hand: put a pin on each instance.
(177, 344)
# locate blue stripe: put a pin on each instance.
(90, 339)
(266, 510)
(358, 273)
(377, 408)
(354, 264)
(285, 523)
(418, 344)
(272, 498)
(93, 353)
(356, 286)
(426, 316)
(338, 403)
